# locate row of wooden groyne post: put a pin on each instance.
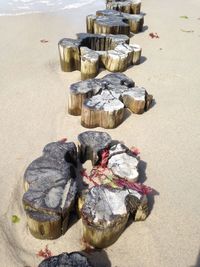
(56, 184)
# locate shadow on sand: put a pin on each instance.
(98, 258)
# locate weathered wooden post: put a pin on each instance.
(101, 102)
(51, 189)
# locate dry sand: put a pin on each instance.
(33, 101)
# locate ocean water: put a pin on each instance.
(18, 7)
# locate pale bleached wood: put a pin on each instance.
(105, 212)
(117, 82)
(123, 163)
(137, 52)
(102, 110)
(101, 101)
(104, 216)
(79, 92)
(115, 61)
(89, 63)
(135, 99)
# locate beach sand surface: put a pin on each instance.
(33, 112)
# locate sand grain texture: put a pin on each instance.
(33, 99)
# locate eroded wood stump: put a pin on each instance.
(104, 205)
(74, 259)
(114, 22)
(89, 63)
(91, 143)
(126, 6)
(123, 163)
(51, 187)
(79, 92)
(90, 51)
(101, 102)
(103, 110)
(105, 213)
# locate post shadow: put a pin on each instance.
(74, 215)
(145, 28)
(127, 114)
(98, 258)
(142, 166)
(198, 261)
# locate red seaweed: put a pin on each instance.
(154, 35)
(140, 188)
(63, 140)
(135, 151)
(46, 253)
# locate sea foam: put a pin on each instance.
(20, 7)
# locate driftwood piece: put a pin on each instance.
(101, 102)
(91, 143)
(102, 110)
(123, 163)
(126, 6)
(105, 213)
(51, 187)
(74, 259)
(90, 51)
(114, 22)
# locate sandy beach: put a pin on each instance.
(33, 111)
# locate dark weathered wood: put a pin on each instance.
(74, 259)
(137, 206)
(51, 187)
(91, 143)
(79, 92)
(123, 163)
(126, 6)
(114, 22)
(110, 25)
(69, 54)
(101, 102)
(105, 212)
(90, 51)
